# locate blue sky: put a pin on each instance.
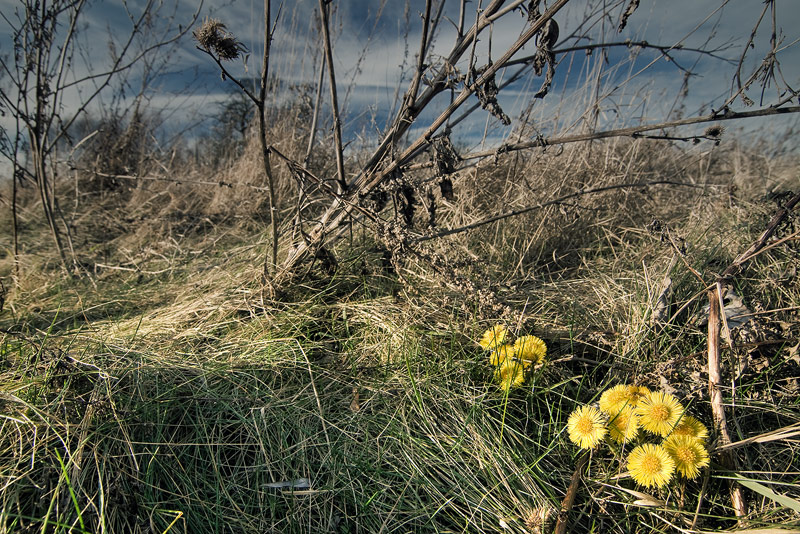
(370, 54)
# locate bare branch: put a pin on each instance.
(262, 136)
(117, 68)
(761, 242)
(315, 114)
(634, 131)
(556, 201)
(664, 49)
(490, 71)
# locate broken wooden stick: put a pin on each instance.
(569, 498)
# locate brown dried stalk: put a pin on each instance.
(761, 242)
(337, 121)
(727, 459)
(262, 136)
(209, 38)
(572, 491)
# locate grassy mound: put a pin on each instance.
(163, 393)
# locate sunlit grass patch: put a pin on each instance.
(179, 399)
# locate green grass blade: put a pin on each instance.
(71, 491)
(761, 489)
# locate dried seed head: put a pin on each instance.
(538, 519)
(229, 48)
(214, 37)
(208, 33)
(715, 131)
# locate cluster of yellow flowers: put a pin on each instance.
(624, 411)
(512, 360)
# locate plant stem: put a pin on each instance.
(634, 131)
(337, 122)
(269, 261)
(715, 394)
(15, 223)
(315, 115)
(715, 296)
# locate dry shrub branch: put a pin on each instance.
(385, 173)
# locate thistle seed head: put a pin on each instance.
(213, 36)
(715, 131)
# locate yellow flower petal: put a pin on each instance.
(688, 453)
(623, 426)
(689, 426)
(511, 373)
(501, 354)
(530, 349)
(615, 399)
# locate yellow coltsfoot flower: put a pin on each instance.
(659, 412)
(614, 399)
(502, 354)
(586, 427)
(511, 373)
(689, 454)
(650, 465)
(494, 337)
(530, 349)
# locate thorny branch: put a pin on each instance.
(635, 131)
(372, 176)
(385, 164)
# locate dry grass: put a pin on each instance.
(166, 395)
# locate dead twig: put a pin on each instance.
(372, 176)
(727, 459)
(572, 491)
(761, 242)
(634, 131)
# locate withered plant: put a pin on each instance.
(214, 39)
(43, 71)
(415, 174)
(397, 173)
